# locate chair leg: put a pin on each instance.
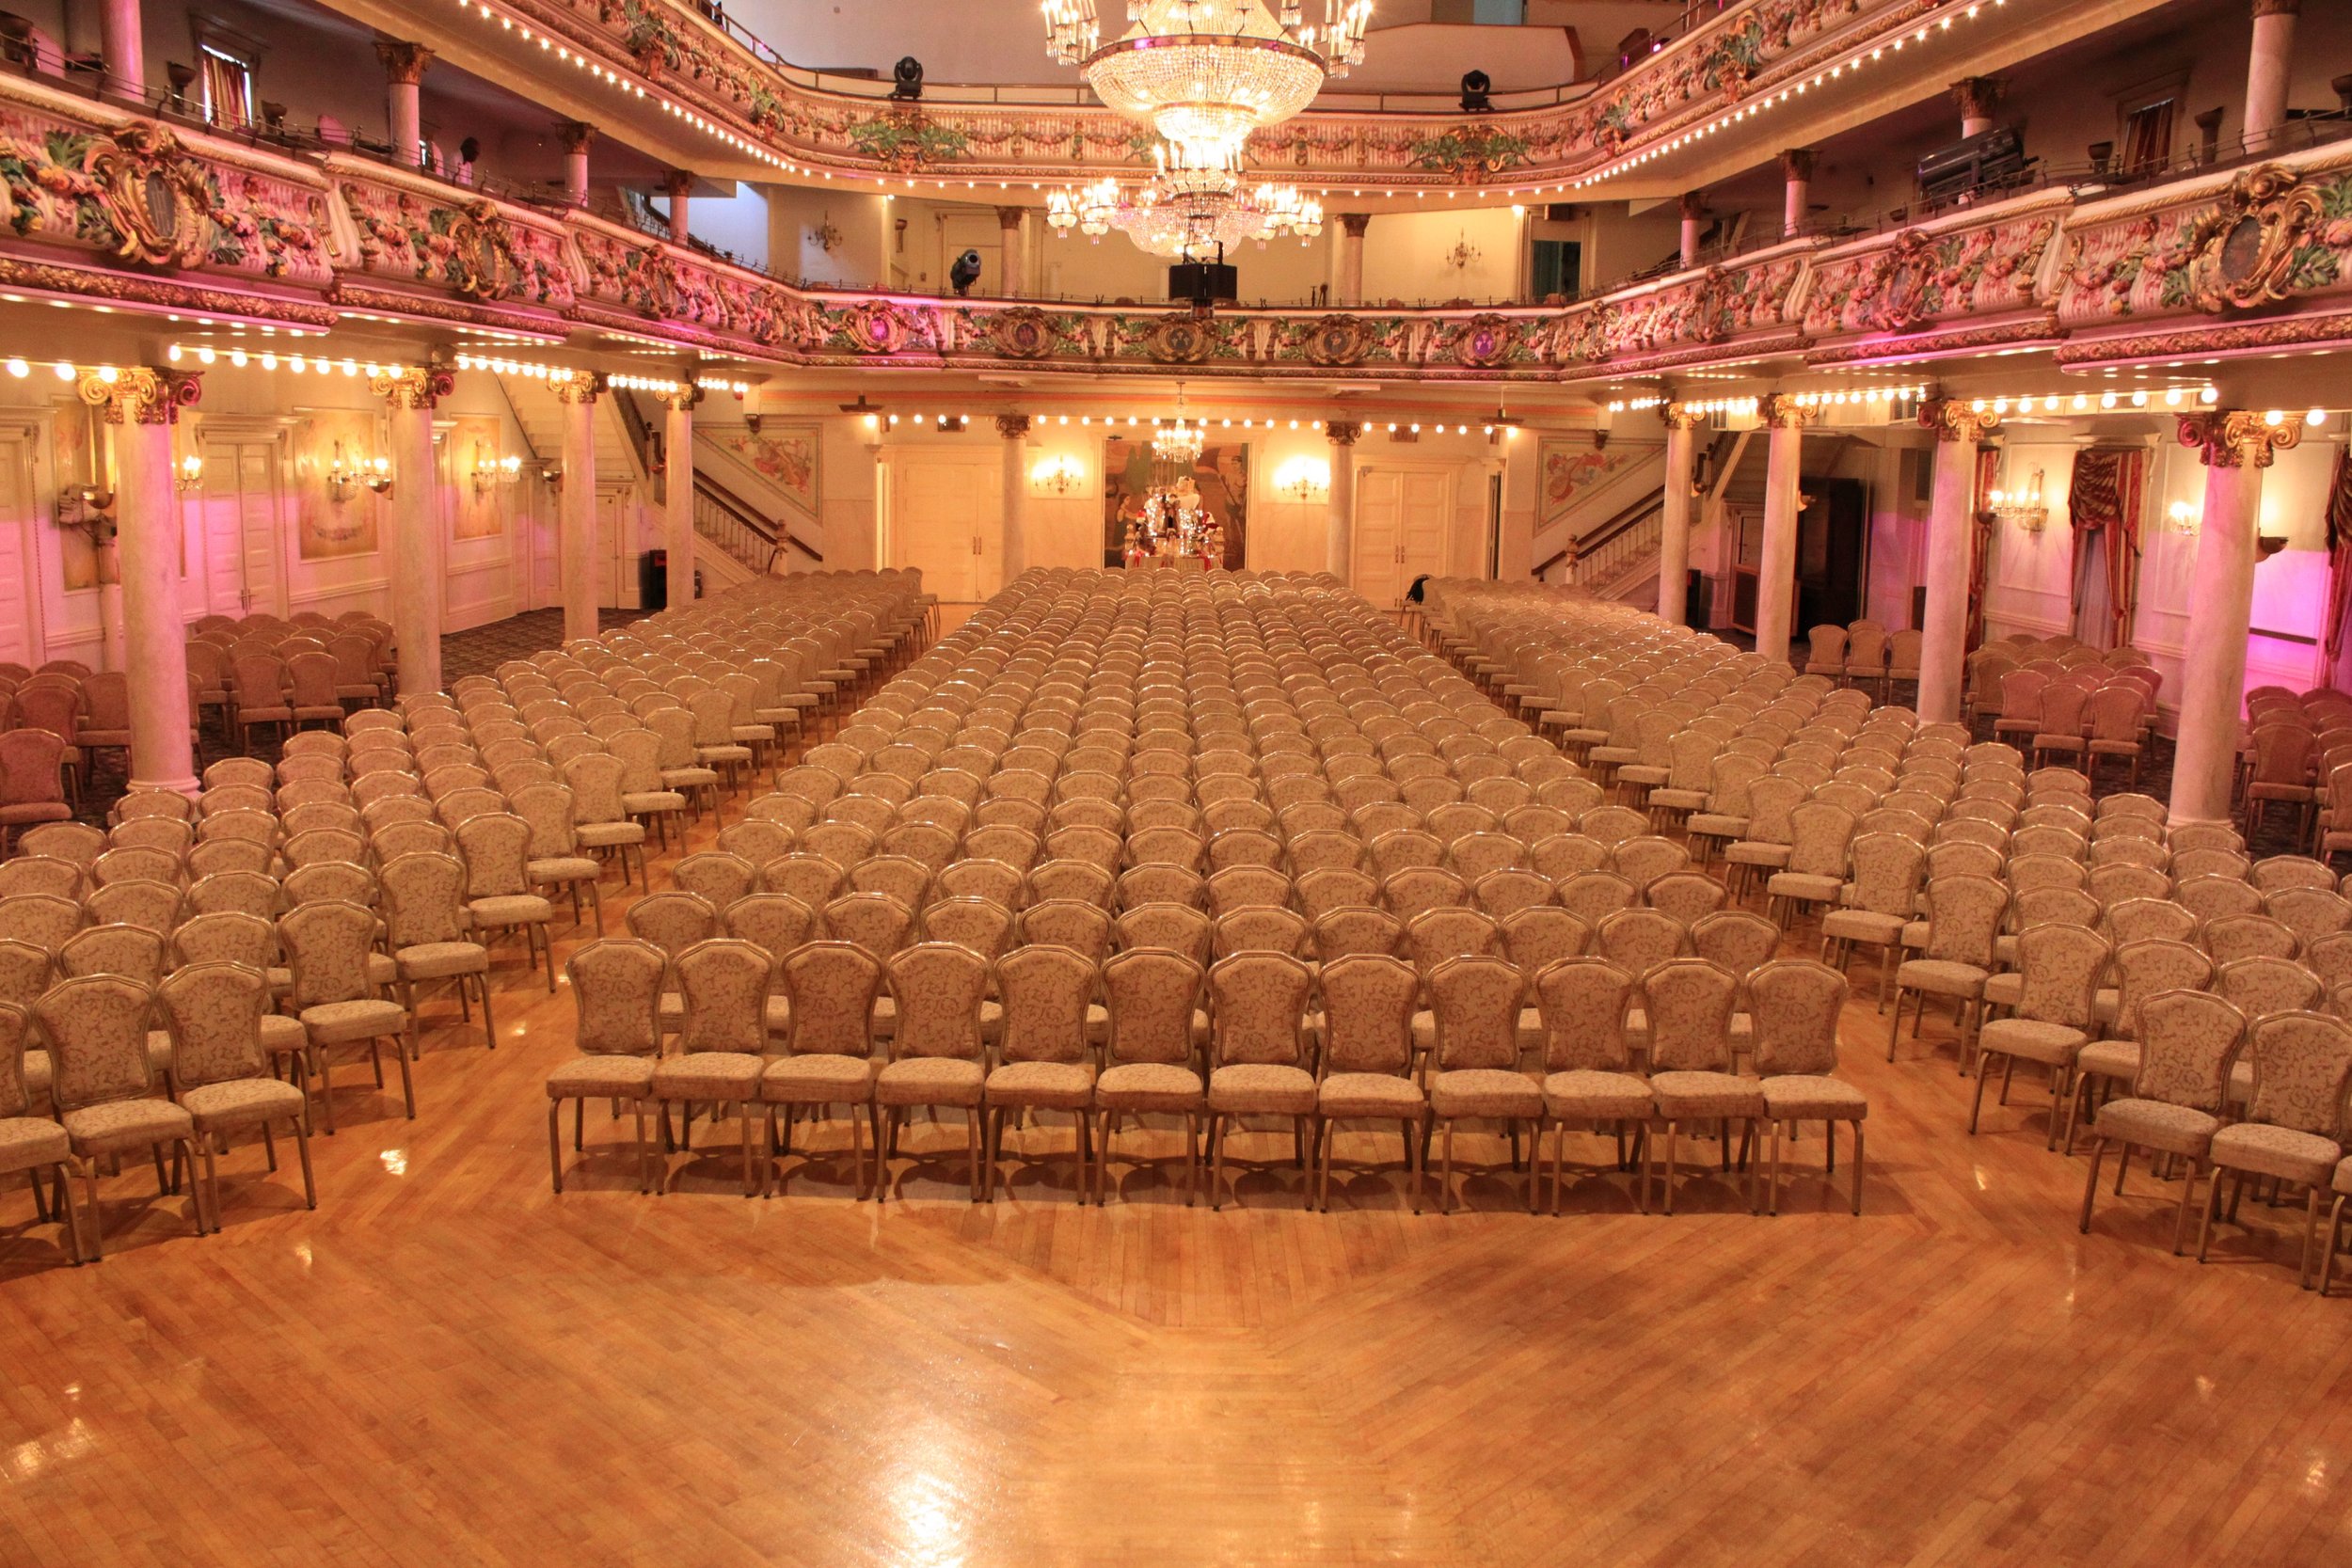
(1772, 1188)
(2335, 1237)
(2189, 1188)
(1216, 1162)
(489, 1029)
(2310, 1229)
(555, 1143)
(2204, 1217)
(1445, 1176)
(407, 1084)
(2090, 1182)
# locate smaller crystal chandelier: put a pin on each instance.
(1180, 442)
(2022, 507)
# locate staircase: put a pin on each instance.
(739, 532)
(541, 415)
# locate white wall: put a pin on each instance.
(739, 224)
(1403, 254)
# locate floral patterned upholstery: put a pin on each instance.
(725, 982)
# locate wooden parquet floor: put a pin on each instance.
(447, 1364)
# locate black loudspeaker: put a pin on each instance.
(1204, 283)
(907, 75)
(1475, 86)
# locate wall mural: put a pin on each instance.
(785, 457)
(1571, 468)
(472, 443)
(328, 527)
(1218, 479)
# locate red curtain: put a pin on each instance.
(1988, 469)
(2339, 560)
(2104, 492)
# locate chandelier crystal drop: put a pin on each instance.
(1206, 73)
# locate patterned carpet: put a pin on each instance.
(484, 648)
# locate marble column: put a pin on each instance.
(1012, 256)
(122, 49)
(575, 139)
(1014, 428)
(1776, 574)
(1693, 220)
(678, 490)
(1977, 97)
(679, 184)
(1796, 168)
(1674, 524)
(2235, 447)
(414, 551)
(1340, 517)
(1951, 547)
(576, 513)
(403, 80)
(144, 404)
(2268, 70)
(1352, 227)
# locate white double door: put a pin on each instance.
(946, 520)
(1403, 519)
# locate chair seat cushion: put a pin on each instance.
(2281, 1151)
(242, 1101)
(929, 1080)
(29, 1141)
(1587, 1094)
(1048, 1085)
(563, 868)
(1749, 852)
(1610, 755)
(1643, 773)
(126, 1124)
(1862, 925)
(609, 835)
(817, 1079)
(602, 1075)
(708, 1075)
(1268, 1088)
(1941, 977)
(1382, 1094)
(436, 961)
(2005, 990)
(690, 778)
(1682, 1096)
(2053, 1043)
(1714, 824)
(1804, 885)
(645, 802)
(2109, 1059)
(280, 1034)
(1485, 1092)
(1812, 1097)
(1676, 799)
(1164, 1087)
(707, 755)
(510, 908)
(2156, 1124)
(340, 1022)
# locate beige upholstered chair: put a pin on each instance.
(1364, 1067)
(495, 847)
(1589, 1080)
(2295, 1121)
(1687, 1004)
(722, 1036)
(1796, 1005)
(425, 925)
(1151, 1067)
(1044, 1064)
(831, 988)
(2059, 966)
(616, 987)
(937, 1054)
(339, 999)
(1258, 1058)
(1473, 1070)
(106, 1089)
(35, 1146)
(220, 1066)
(2187, 1041)
(1965, 916)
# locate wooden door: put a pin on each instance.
(19, 610)
(944, 521)
(1401, 521)
(240, 516)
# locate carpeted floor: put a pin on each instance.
(484, 648)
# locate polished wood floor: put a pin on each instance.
(447, 1364)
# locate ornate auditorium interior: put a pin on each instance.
(1448, 781)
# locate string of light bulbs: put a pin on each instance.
(1153, 421)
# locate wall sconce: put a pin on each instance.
(552, 475)
(1055, 475)
(2182, 517)
(2268, 545)
(189, 475)
(1303, 479)
(342, 474)
(490, 470)
(825, 234)
(2022, 507)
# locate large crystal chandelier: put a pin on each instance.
(1177, 444)
(1165, 221)
(1204, 74)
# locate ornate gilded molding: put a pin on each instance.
(2247, 250)
(153, 191)
(579, 388)
(1013, 427)
(2235, 438)
(140, 394)
(685, 397)
(1343, 433)
(413, 385)
(1954, 421)
(1782, 411)
(404, 63)
(1680, 416)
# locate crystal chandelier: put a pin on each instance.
(1204, 74)
(1165, 219)
(1180, 442)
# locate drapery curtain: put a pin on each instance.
(1980, 520)
(2338, 632)
(2103, 496)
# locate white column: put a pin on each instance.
(1951, 542)
(576, 515)
(576, 138)
(2236, 447)
(1796, 168)
(414, 551)
(678, 489)
(1674, 524)
(1014, 428)
(144, 404)
(1776, 575)
(1977, 97)
(403, 77)
(1694, 219)
(1339, 514)
(122, 48)
(2267, 71)
(681, 185)
(1352, 227)
(1013, 263)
